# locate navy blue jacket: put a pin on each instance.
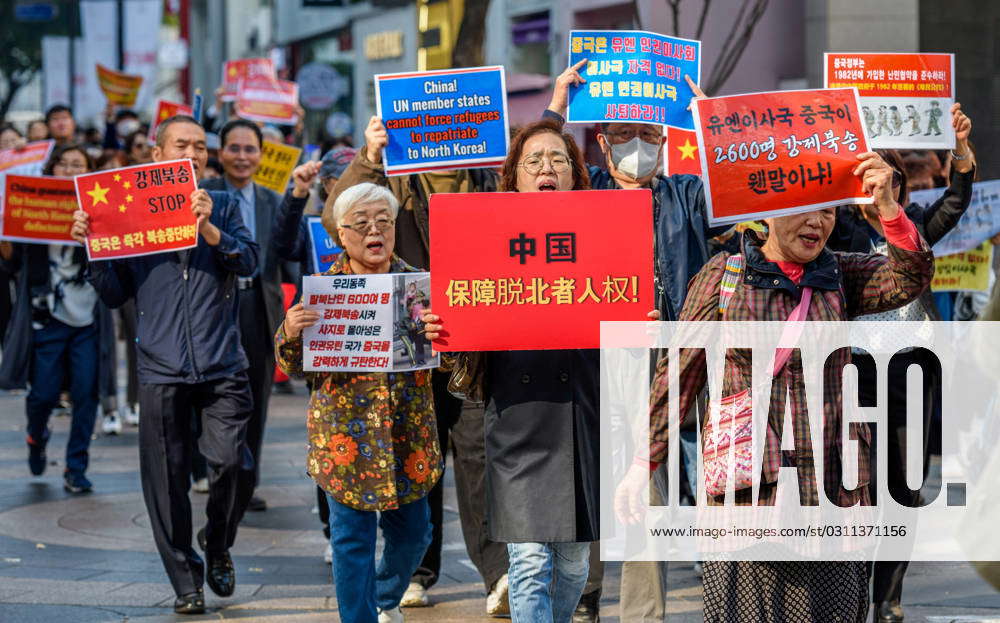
(187, 307)
(291, 233)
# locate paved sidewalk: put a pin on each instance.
(91, 558)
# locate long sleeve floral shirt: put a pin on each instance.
(373, 442)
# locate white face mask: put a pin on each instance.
(124, 128)
(636, 158)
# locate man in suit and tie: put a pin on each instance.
(261, 309)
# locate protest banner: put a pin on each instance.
(276, 164)
(633, 76)
(680, 154)
(368, 323)
(541, 270)
(968, 271)
(448, 119)
(777, 153)
(139, 210)
(322, 246)
(120, 88)
(905, 98)
(28, 160)
(234, 71)
(38, 209)
(980, 221)
(165, 110)
(268, 100)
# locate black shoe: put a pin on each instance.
(888, 612)
(192, 603)
(221, 576)
(36, 456)
(588, 610)
(257, 504)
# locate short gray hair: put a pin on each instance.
(362, 194)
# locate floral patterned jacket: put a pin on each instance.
(373, 442)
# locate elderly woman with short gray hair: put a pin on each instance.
(373, 444)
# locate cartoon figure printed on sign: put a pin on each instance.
(897, 121)
(870, 121)
(914, 118)
(933, 115)
(883, 127)
(410, 347)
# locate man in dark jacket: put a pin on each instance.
(260, 295)
(189, 358)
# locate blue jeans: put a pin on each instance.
(407, 533)
(546, 580)
(59, 349)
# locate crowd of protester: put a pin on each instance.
(202, 353)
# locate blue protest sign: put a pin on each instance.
(449, 119)
(633, 76)
(324, 249)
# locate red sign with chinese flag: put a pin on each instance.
(541, 270)
(120, 88)
(777, 153)
(139, 210)
(268, 100)
(234, 71)
(681, 152)
(164, 111)
(38, 209)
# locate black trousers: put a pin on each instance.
(465, 429)
(165, 447)
(258, 343)
(127, 315)
(887, 576)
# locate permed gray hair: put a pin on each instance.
(361, 194)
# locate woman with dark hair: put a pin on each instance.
(10, 137)
(67, 326)
(542, 425)
(137, 149)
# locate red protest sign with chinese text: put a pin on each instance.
(139, 210)
(38, 209)
(527, 271)
(234, 71)
(268, 100)
(905, 98)
(164, 111)
(777, 153)
(120, 88)
(681, 152)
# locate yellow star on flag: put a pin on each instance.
(128, 198)
(687, 150)
(98, 194)
(118, 178)
(127, 185)
(122, 209)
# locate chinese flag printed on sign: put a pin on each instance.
(234, 71)
(777, 153)
(164, 111)
(681, 152)
(268, 100)
(541, 270)
(139, 210)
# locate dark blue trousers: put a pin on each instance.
(60, 350)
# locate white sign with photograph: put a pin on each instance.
(368, 323)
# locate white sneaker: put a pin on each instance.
(497, 603)
(390, 616)
(200, 485)
(131, 415)
(328, 556)
(111, 425)
(415, 596)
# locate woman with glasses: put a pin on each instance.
(373, 443)
(542, 426)
(71, 338)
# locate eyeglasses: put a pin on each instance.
(533, 164)
(382, 224)
(623, 136)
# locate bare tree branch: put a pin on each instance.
(705, 5)
(675, 10)
(636, 15)
(468, 50)
(736, 42)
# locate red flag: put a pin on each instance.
(164, 111)
(681, 152)
(139, 210)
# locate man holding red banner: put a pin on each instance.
(190, 358)
(634, 152)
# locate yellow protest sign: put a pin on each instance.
(118, 87)
(276, 164)
(964, 272)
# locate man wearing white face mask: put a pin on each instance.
(633, 159)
